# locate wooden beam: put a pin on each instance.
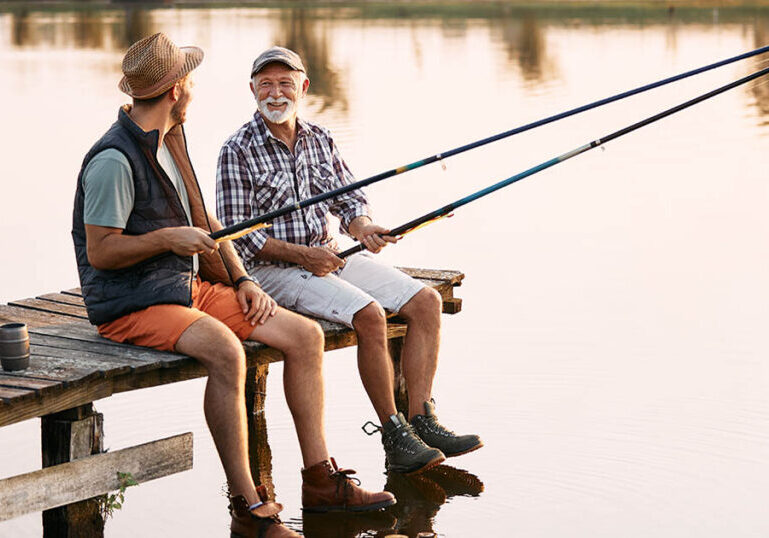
(92, 476)
(67, 436)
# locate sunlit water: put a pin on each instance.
(612, 348)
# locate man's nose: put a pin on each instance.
(275, 91)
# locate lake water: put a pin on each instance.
(612, 350)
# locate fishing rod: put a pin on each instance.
(242, 228)
(446, 210)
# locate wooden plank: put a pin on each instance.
(48, 306)
(62, 371)
(9, 394)
(109, 365)
(446, 275)
(33, 318)
(76, 292)
(93, 475)
(140, 358)
(38, 385)
(75, 300)
(85, 334)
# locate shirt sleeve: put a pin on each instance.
(234, 194)
(350, 205)
(109, 190)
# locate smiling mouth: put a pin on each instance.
(277, 105)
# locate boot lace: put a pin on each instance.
(345, 482)
(431, 424)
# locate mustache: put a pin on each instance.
(276, 101)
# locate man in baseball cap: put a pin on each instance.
(152, 276)
(277, 159)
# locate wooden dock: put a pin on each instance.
(71, 366)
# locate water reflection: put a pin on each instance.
(82, 29)
(420, 497)
(760, 89)
(304, 33)
(524, 39)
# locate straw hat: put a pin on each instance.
(153, 64)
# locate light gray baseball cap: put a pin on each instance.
(278, 54)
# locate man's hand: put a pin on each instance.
(373, 237)
(256, 304)
(186, 241)
(320, 261)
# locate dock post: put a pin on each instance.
(67, 436)
(259, 453)
(395, 346)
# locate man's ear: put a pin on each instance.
(175, 92)
(253, 88)
(305, 85)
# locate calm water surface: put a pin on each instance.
(612, 352)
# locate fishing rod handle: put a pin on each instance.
(350, 251)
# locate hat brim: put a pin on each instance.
(193, 56)
(255, 69)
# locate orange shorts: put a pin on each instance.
(160, 326)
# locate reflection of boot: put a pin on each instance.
(327, 488)
(419, 500)
(455, 481)
(345, 525)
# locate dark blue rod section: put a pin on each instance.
(429, 160)
(405, 228)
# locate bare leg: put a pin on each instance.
(420, 350)
(301, 341)
(374, 364)
(212, 343)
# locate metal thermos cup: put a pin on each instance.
(14, 346)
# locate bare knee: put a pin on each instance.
(230, 364)
(307, 341)
(370, 320)
(424, 307)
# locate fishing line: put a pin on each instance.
(251, 224)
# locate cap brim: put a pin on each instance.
(193, 56)
(256, 68)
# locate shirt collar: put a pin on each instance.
(262, 133)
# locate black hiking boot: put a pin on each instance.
(435, 435)
(405, 452)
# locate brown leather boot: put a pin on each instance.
(258, 521)
(327, 488)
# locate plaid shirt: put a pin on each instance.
(257, 173)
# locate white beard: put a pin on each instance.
(276, 116)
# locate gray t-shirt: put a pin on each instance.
(109, 189)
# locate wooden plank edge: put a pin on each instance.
(39, 309)
(93, 475)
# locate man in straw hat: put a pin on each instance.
(277, 159)
(152, 276)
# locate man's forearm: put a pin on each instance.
(275, 250)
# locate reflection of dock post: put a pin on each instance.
(67, 436)
(259, 452)
(395, 346)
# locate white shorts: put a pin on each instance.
(338, 297)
